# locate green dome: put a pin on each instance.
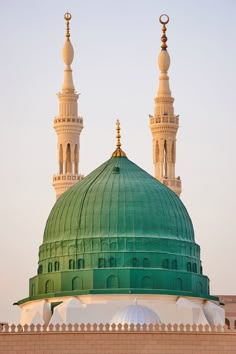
(118, 231)
(118, 199)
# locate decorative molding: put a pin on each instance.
(165, 119)
(107, 327)
(67, 177)
(68, 120)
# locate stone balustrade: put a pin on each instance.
(164, 119)
(5, 328)
(68, 120)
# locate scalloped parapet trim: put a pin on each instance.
(5, 328)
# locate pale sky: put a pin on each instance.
(116, 46)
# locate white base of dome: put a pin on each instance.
(106, 309)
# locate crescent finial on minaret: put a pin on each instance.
(67, 17)
(164, 19)
(164, 58)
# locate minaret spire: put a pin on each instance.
(164, 29)
(68, 125)
(67, 17)
(68, 56)
(164, 124)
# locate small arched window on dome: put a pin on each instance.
(147, 282)
(135, 262)
(49, 267)
(101, 263)
(199, 288)
(165, 263)
(77, 283)
(112, 262)
(189, 267)
(40, 269)
(80, 263)
(71, 264)
(112, 282)
(174, 264)
(56, 266)
(194, 267)
(146, 263)
(178, 284)
(49, 286)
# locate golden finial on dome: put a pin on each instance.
(164, 19)
(118, 152)
(67, 17)
(118, 144)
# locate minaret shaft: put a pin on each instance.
(68, 125)
(164, 125)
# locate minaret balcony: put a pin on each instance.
(62, 182)
(67, 177)
(68, 125)
(68, 120)
(173, 183)
(164, 119)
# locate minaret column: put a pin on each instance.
(68, 125)
(164, 124)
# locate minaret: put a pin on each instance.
(68, 125)
(164, 124)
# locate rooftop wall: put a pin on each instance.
(107, 339)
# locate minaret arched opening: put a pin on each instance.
(68, 159)
(60, 159)
(76, 158)
(164, 166)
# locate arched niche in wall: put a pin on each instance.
(49, 286)
(112, 281)
(147, 282)
(77, 283)
(178, 284)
